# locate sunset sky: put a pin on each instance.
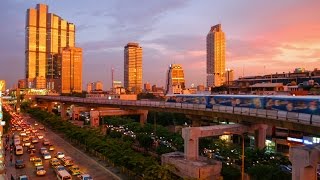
(262, 36)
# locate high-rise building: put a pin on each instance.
(229, 76)
(216, 56)
(133, 67)
(46, 33)
(175, 79)
(147, 87)
(89, 87)
(98, 86)
(71, 69)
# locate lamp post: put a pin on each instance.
(228, 79)
(242, 158)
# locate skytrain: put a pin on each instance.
(299, 104)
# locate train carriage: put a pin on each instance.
(299, 104)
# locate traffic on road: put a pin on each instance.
(33, 155)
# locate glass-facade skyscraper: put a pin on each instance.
(216, 56)
(133, 67)
(45, 34)
(71, 71)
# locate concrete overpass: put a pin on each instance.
(296, 121)
(304, 158)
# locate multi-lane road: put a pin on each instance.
(86, 163)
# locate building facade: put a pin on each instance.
(97, 86)
(89, 87)
(216, 56)
(46, 33)
(71, 69)
(133, 67)
(175, 79)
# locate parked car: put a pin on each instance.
(40, 171)
(19, 164)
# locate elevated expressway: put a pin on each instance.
(296, 121)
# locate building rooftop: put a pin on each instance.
(266, 85)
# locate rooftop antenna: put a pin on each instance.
(112, 78)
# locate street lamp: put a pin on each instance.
(242, 158)
(228, 79)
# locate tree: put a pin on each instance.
(160, 172)
(145, 140)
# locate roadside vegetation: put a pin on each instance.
(138, 148)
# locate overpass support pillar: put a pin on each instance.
(304, 161)
(63, 108)
(195, 121)
(143, 116)
(191, 143)
(94, 118)
(49, 105)
(260, 133)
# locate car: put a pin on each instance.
(51, 147)
(40, 136)
(41, 127)
(59, 155)
(46, 142)
(32, 157)
(40, 171)
(34, 140)
(34, 130)
(67, 161)
(74, 170)
(36, 124)
(25, 138)
(20, 164)
(43, 150)
(23, 133)
(23, 177)
(13, 129)
(31, 150)
(59, 168)
(46, 155)
(54, 162)
(37, 162)
(84, 177)
(27, 143)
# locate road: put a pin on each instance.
(86, 163)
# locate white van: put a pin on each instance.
(19, 150)
(64, 175)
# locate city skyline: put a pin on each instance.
(269, 37)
